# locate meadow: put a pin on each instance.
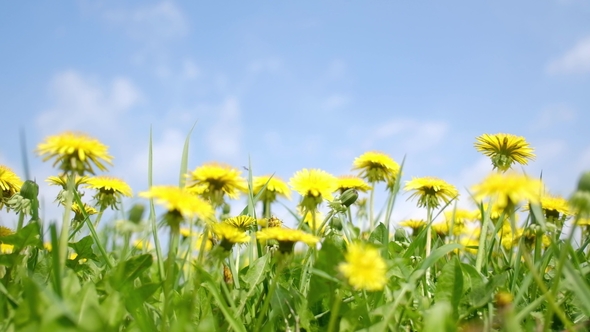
(183, 260)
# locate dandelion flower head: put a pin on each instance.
(431, 191)
(504, 149)
(180, 201)
(376, 166)
(108, 190)
(241, 222)
(10, 184)
(364, 267)
(346, 182)
(274, 187)
(508, 189)
(314, 185)
(286, 237)
(75, 152)
(215, 179)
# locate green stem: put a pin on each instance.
(335, 311)
(21, 220)
(482, 242)
(269, 296)
(559, 269)
(371, 207)
(65, 226)
(95, 237)
(169, 282)
(428, 238)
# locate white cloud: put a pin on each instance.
(574, 61)
(553, 115)
(152, 23)
(335, 101)
(415, 135)
(81, 104)
(223, 139)
(167, 153)
(190, 70)
(270, 65)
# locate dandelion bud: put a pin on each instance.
(336, 223)
(584, 182)
(349, 197)
(136, 213)
(503, 299)
(29, 190)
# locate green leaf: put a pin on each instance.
(435, 255)
(134, 266)
(254, 276)
(449, 286)
(379, 234)
(27, 236)
(438, 318)
(83, 248)
(579, 286)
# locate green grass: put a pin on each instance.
(434, 283)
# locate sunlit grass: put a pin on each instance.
(182, 260)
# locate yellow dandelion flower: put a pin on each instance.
(443, 229)
(142, 244)
(470, 245)
(229, 235)
(10, 184)
(109, 190)
(286, 237)
(47, 246)
(461, 216)
(504, 149)
(314, 185)
(75, 152)
(214, 180)
(6, 248)
(274, 187)
(185, 232)
(5, 231)
(63, 181)
(376, 166)
(78, 212)
(270, 222)
(584, 222)
(346, 182)
(554, 207)
(364, 268)
(508, 189)
(181, 201)
(530, 236)
(241, 222)
(199, 243)
(415, 224)
(430, 191)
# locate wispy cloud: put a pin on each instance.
(152, 23)
(81, 103)
(574, 61)
(553, 115)
(224, 136)
(167, 152)
(415, 135)
(335, 101)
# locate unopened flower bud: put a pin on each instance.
(584, 182)
(29, 190)
(336, 223)
(136, 213)
(349, 197)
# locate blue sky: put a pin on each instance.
(300, 84)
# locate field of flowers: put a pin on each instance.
(184, 261)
